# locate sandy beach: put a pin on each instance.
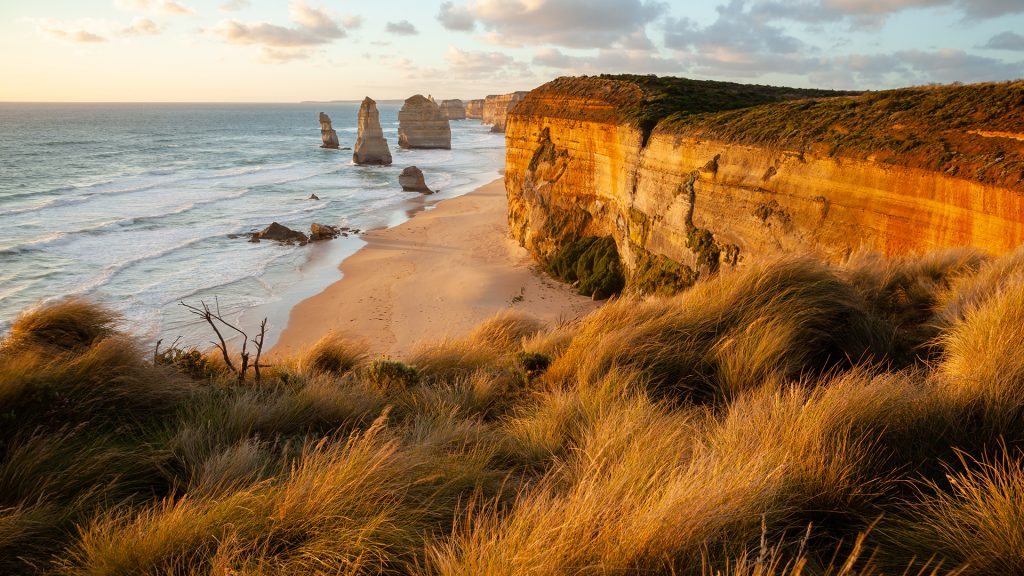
(437, 275)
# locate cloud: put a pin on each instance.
(568, 23)
(312, 27)
(1006, 41)
(141, 27)
(352, 21)
(234, 5)
(874, 13)
(84, 31)
(170, 7)
(175, 8)
(402, 28)
(454, 17)
(272, 55)
(739, 43)
(608, 61)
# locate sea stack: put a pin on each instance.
(475, 109)
(421, 124)
(371, 147)
(453, 109)
(411, 180)
(328, 134)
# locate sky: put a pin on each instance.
(294, 50)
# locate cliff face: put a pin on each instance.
(897, 172)
(475, 109)
(496, 108)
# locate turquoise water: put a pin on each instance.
(133, 205)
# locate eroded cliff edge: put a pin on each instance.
(684, 188)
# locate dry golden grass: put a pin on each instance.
(787, 419)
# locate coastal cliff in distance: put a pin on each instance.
(683, 185)
(496, 108)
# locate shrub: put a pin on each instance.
(390, 375)
(68, 325)
(592, 265)
(333, 354)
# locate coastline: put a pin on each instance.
(438, 274)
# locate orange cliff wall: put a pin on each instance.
(574, 169)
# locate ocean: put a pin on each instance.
(134, 205)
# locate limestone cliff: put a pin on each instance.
(422, 125)
(327, 133)
(496, 108)
(453, 109)
(370, 147)
(651, 164)
(475, 109)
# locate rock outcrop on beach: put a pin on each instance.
(327, 133)
(371, 147)
(896, 172)
(319, 232)
(475, 109)
(279, 233)
(453, 109)
(422, 125)
(411, 180)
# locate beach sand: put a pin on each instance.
(437, 275)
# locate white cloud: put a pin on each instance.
(312, 27)
(142, 27)
(234, 5)
(352, 21)
(569, 23)
(169, 7)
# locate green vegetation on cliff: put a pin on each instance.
(970, 131)
(786, 418)
(591, 265)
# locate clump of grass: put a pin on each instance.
(333, 354)
(390, 375)
(973, 522)
(728, 334)
(67, 325)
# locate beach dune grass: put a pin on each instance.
(788, 418)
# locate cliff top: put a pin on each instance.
(646, 100)
(971, 131)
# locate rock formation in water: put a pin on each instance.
(475, 109)
(279, 233)
(453, 109)
(729, 182)
(496, 108)
(422, 125)
(411, 180)
(329, 136)
(322, 232)
(371, 147)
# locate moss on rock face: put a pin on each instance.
(657, 274)
(592, 264)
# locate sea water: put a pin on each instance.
(138, 206)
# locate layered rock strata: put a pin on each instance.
(411, 180)
(503, 104)
(327, 133)
(421, 124)
(371, 147)
(453, 109)
(895, 172)
(475, 109)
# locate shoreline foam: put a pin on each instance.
(439, 274)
